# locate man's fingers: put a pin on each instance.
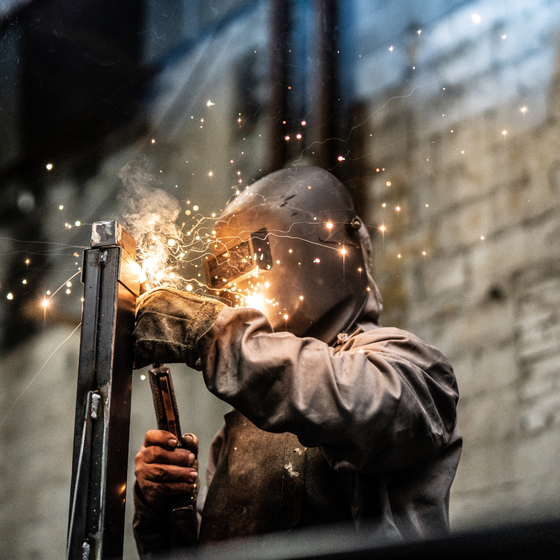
(169, 474)
(190, 442)
(155, 491)
(160, 438)
(164, 471)
(179, 457)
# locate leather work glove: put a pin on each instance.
(169, 324)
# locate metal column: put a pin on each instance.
(99, 468)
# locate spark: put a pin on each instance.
(329, 225)
(504, 132)
(255, 301)
(10, 295)
(523, 110)
(388, 183)
(391, 48)
(303, 123)
(210, 103)
(476, 18)
(65, 283)
(49, 166)
(61, 207)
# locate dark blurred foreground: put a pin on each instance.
(524, 541)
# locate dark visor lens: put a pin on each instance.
(238, 261)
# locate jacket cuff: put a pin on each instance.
(158, 535)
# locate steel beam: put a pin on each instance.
(99, 468)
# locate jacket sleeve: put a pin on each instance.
(380, 403)
(158, 536)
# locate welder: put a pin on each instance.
(336, 418)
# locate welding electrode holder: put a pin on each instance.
(165, 404)
(111, 280)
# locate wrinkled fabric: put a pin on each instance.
(380, 408)
(237, 489)
(377, 403)
(158, 535)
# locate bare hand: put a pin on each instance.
(167, 474)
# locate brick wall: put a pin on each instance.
(483, 205)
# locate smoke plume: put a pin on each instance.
(149, 215)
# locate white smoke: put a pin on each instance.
(149, 214)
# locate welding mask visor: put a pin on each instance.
(290, 245)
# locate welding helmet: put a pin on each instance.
(291, 246)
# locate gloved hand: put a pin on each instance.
(169, 324)
(166, 474)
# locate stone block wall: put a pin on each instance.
(470, 259)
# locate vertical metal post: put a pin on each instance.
(99, 467)
(278, 79)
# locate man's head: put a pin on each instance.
(291, 246)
